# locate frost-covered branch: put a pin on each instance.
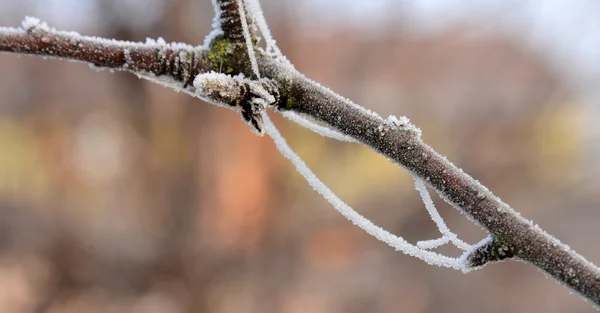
(231, 70)
(250, 97)
(179, 62)
(511, 234)
(381, 234)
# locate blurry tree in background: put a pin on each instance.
(120, 196)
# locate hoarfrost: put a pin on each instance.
(433, 243)
(404, 123)
(224, 85)
(216, 27)
(259, 17)
(249, 44)
(398, 122)
(31, 22)
(248, 96)
(435, 216)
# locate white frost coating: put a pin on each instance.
(226, 86)
(249, 45)
(169, 82)
(271, 45)
(232, 91)
(226, 82)
(392, 240)
(10, 31)
(313, 126)
(259, 18)
(216, 27)
(435, 216)
(398, 121)
(30, 22)
(433, 243)
(403, 122)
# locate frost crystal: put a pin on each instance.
(435, 216)
(216, 26)
(404, 123)
(398, 122)
(31, 22)
(433, 243)
(218, 87)
(257, 13)
(381, 130)
(249, 97)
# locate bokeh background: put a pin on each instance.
(118, 195)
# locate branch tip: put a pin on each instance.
(489, 251)
(249, 97)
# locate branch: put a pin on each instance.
(179, 62)
(511, 236)
(174, 65)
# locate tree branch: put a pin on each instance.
(178, 61)
(510, 234)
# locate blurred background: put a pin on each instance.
(118, 195)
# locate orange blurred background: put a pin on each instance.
(118, 195)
